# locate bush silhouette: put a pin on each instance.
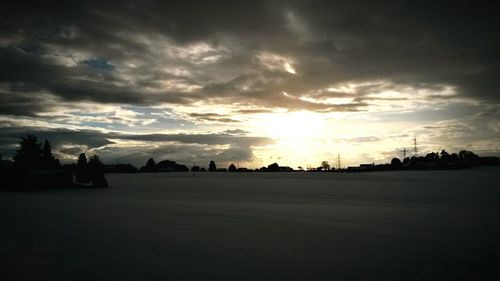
(273, 167)
(396, 163)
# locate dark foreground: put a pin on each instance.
(374, 226)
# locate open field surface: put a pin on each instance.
(439, 225)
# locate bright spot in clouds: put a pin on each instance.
(275, 62)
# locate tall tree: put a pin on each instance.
(29, 155)
(150, 166)
(212, 167)
(95, 166)
(48, 159)
(82, 173)
(96, 171)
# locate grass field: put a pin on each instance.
(259, 226)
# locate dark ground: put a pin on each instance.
(438, 225)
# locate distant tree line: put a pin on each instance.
(34, 166)
(171, 166)
(432, 161)
(163, 166)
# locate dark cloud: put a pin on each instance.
(209, 139)
(181, 147)
(236, 132)
(58, 137)
(68, 63)
(182, 52)
(213, 117)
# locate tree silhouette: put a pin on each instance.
(82, 173)
(96, 172)
(465, 154)
(432, 156)
(396, 163)
(95, 166)
(406, 161)
(212, 167)
(445, 155)
(35, 166)
(273, 167)
(232, 168)
(325, 166)
(150, 166)
(29, 156)
(48, 159)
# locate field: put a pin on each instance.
(267, 226)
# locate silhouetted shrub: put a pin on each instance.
(232, 168)
(273, 167)
(171, 166)
(396, 163)
(465, 154)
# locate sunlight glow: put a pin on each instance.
(291, 126)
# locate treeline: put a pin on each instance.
(34, 166)
(171, 166)
(432, 161)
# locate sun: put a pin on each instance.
(296, 135)
(293, 126)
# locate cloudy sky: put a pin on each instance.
(250, 82)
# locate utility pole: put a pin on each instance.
(404, 153)
(415, 145)
(338, 161)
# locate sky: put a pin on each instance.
(250, 82)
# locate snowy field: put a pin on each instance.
(221, 226)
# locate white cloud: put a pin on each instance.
(276, 62)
